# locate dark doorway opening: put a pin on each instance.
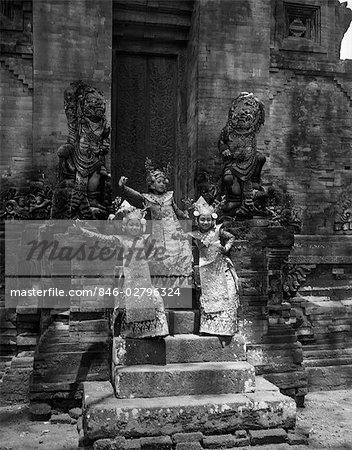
(144, 113)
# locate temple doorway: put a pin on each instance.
(144, 113)
(150, 90)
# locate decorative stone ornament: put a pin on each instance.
(297, 28)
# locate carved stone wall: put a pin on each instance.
(308, 136)
(72, 42)
(233, 57)
(306, 89)
(16, 88)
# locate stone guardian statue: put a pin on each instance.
(82, 173)
(242, 162)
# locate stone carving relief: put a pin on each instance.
(33, 202)
(343, 214)
(294, 275)
(284, 211)
(82, 175)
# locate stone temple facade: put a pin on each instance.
(169, 71)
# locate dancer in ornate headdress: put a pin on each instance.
(218, 280)
(141, 314)
(165, 216)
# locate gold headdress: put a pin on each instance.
(202, 208)
(127, 212)
(153, 173)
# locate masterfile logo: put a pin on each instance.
(49, 262)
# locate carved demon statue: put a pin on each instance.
(242, 163)
(82, 175)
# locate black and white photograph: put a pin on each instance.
(175, 224)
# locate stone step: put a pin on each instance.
(180, 348)
(323, 293)
(105, 416)
(324, 353)
(323, 362)
(184, 379)
(328, 308)
(321, 347)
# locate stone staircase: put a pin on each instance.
(198, 387)
(20, 68)
(323, 304)
(326, 335)
(69, 352)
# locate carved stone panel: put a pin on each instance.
(145, 114)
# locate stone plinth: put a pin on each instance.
(105, 416)
(184, 379)
(180, 348)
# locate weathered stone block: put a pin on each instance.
(106, 416)
(179, 348)
(193, 348)
(103, 444)
(189, 446)
(297, 439)
(138, 351)
(241, 434)
(62, 418)
(221, 441)
(75, 413)
(119, 443)
(182, 379)
(187, 437)
(270, 447)
(183, 322)
(242, 442)
(156, 443)
(329, 377)
(40, 411)
(271, 436)
(133, 444)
